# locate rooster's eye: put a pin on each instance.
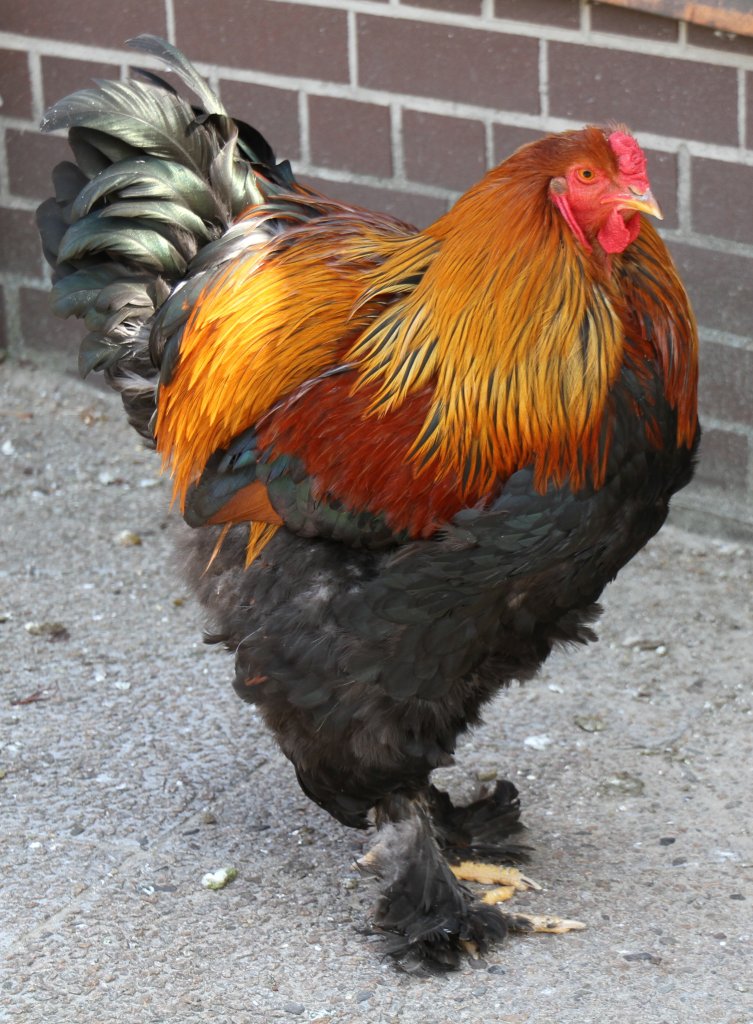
(586, 175)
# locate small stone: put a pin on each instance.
(361, 997)
(296, 1008)
(639, 643)
(590, 723)
(496, 969)
(667, 840)
(219, 879)
(487, 775)
(621, 784)
(50, 630)
(208, 818)
(7, 448)
(652, 958)
(106, 478)
(537, 742)
(736, 896)
(128, 539)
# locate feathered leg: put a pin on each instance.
(429, 914)
(433, 919)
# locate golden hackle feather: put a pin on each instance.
(517, 332)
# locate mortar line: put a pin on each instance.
(37, 86)
(353, 48)
(684, 191)
(170, 21)
(396, 137)
(742, 107)
(303, 120)
(5, 196)
(544, 77)
(712, 243)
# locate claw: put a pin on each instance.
(545, 923)
(493, 874)
(470, 948)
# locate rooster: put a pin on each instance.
(411, 460)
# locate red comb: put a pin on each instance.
(630, 160)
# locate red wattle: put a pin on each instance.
(617, 233)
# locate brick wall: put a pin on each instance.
(401, 104)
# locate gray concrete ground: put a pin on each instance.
(129, 769)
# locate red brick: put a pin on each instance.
(621, 20)
(273, 112)
(31, 157)
(15, 87)
(508, 138)
(286, 39)
(725, 458)
(720, 286)
(61, 77)
(544, 12)
(406, 206)
(653, 94)
(41, 330)
(662, 173)
(441, 61)
(351, 136)
(727, 383)
(722, 200)
(446, 151)
(21, 250)
(93, 21)
(454, 6)
(715, 39)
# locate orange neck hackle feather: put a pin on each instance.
(517, 333)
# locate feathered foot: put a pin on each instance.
(482, 830)
(433, 919)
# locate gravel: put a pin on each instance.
(129, 770)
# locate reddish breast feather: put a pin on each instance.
(364, 459)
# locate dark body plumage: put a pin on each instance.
(373, 662)
(371, 636)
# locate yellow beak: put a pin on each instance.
(643, 202)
